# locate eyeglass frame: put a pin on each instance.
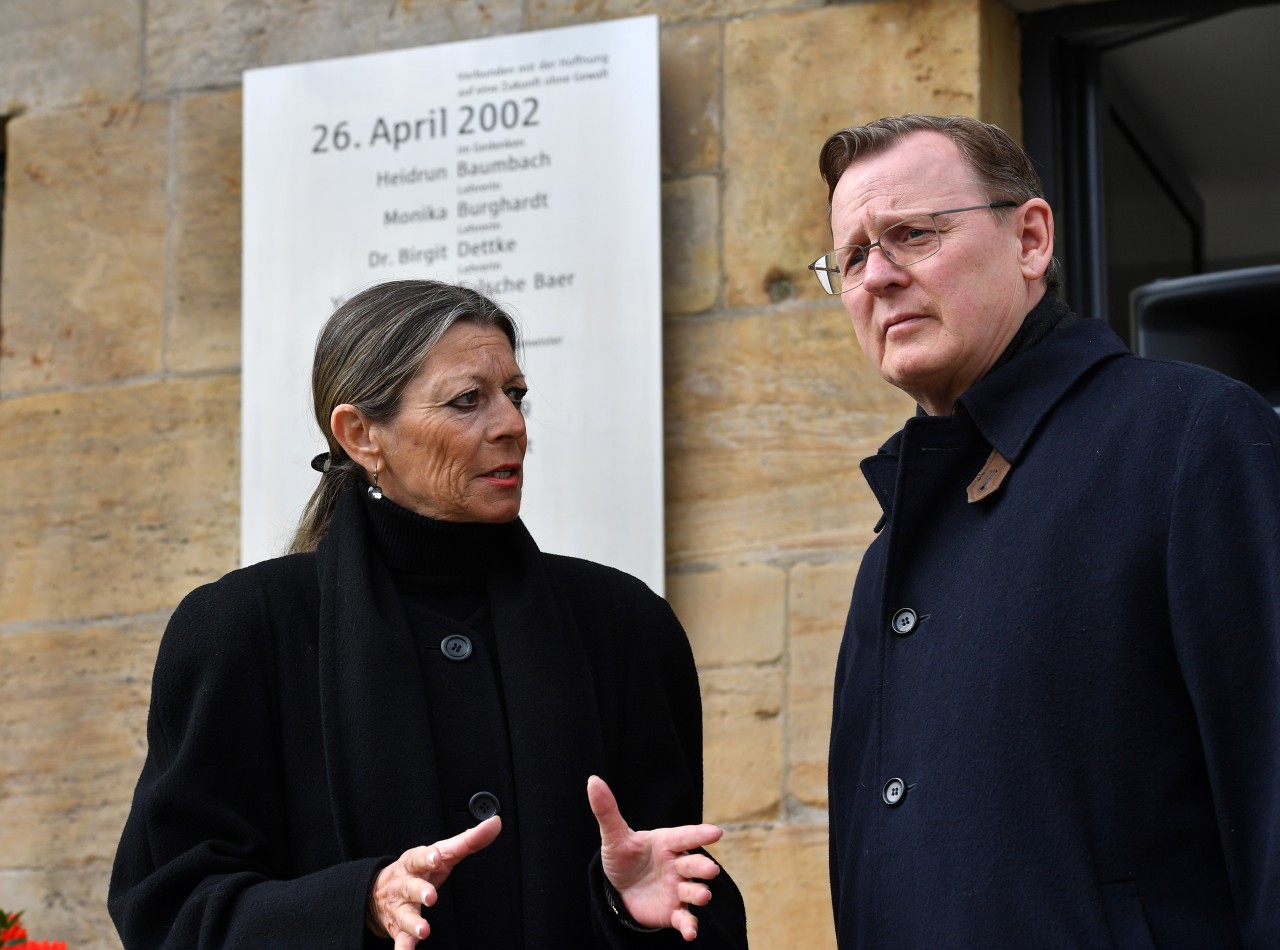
(933, 216)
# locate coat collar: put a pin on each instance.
(1009, 403)
(376, 724)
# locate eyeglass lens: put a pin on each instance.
(905, 243)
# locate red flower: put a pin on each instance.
(12, 931)
(13, 936)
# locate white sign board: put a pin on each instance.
(525, 166)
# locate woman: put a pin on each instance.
(411, 728)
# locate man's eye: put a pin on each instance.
(909, 233)
(852, 259)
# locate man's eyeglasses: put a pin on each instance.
(905, 243)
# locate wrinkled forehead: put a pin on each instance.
(468, 351)
(924, 172)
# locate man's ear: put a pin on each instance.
(1034, 223)
(356, 436)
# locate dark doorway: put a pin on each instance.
(1152, 126)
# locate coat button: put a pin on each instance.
(483, 805)
(904, 621)
(456, 647)
(893, 792)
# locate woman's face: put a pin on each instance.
(455, 451)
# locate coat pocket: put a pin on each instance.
(1125, 916)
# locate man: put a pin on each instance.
(1057, 703)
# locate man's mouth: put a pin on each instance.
(900, 320)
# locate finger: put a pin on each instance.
(689, 837)
(684, 921)
(452, 850)
(605, 807)
(408, 939)
(424, 858)
(411, 923)
(696, 866)
(689, 892)
(418, 891)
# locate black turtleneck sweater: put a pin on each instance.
(440, 571)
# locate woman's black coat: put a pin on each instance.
(288, 758)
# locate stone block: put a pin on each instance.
(818, 604)
(689, 68)
(74, 739)
(783, 874)
(690, 247)
(204, 298)
(85, 213)
(768, 415)
(120, 500)
(63, 902)
(198, 44)
(742, 743)
(549, 13)
(59, 53)
(736, 614)
(792, 79)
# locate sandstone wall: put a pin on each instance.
(119, 382)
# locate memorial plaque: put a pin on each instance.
(524, 166)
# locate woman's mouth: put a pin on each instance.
(510, 474)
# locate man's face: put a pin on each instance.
(936, 327)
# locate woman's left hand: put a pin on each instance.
(652, 870)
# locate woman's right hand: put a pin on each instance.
(402, 887)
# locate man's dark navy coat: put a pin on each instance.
(1057, 705)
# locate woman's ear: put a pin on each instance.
(1035, 237)
(356, 436)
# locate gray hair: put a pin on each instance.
(367, 353)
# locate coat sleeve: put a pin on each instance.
(1224, 593)
(203, 861)
(656, 763)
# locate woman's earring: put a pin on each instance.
(374, 491)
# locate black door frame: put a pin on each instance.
(1063, 102)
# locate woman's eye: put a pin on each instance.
(468, 400)
(516, 394)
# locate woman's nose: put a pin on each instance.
(508, 421)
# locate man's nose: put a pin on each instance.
(880, 271)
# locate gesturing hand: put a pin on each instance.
(651, 870)
(410, 881)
